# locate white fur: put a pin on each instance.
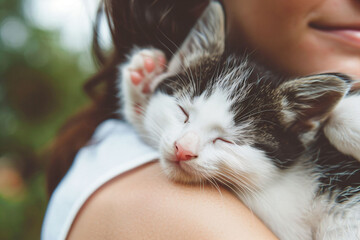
(288, 115)
(284, 205)
(336, 221)
(343, 127)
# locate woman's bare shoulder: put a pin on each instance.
(144, 204)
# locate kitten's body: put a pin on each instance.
(222, 119)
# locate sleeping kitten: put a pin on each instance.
(221, 119)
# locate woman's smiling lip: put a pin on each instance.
(348, 34)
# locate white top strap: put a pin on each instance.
(115, 149)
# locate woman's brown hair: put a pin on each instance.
(162, 24)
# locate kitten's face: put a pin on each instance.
(237, 131)
(203, 128)
(211, 123)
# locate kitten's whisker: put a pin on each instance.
(213, 183)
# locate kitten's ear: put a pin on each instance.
(308, 101)
(207, 37)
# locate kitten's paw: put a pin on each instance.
(144, 66)
(343, 127)
(138, 73)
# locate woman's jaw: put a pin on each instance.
(299, 37)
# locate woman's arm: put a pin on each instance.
(144, 204)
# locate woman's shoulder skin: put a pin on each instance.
(144, 204)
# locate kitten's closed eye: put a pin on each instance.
(222, 139)
(185, 113)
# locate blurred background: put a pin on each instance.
(45, 58)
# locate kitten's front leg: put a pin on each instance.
(137, 75)
(343, 126)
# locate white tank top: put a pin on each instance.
(114, 149)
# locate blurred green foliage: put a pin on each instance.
(40, 87)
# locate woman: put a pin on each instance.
(114, 190)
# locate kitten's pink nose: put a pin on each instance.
(182, 154)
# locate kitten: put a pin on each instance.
(221, 119)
